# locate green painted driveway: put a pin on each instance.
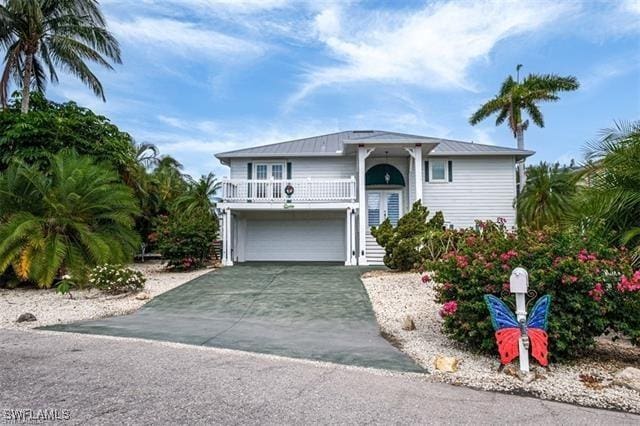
(319, 312)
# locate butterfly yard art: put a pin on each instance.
(510, 331)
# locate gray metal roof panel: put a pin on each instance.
(334, 143)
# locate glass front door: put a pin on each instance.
(382, 205)
(273, 173)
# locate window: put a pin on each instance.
(438, 170)
(261, 171)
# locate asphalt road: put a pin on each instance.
(106, 380)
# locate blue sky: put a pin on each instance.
(205, 76)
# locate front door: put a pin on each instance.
(273, 173)
(382, 205)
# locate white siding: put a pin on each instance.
(482, 188)
(301, 168)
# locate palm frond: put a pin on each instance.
(494, 105)
(551, 83)
(535, 114)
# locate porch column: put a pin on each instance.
(417, 158)
(362, 201)
(223, 238)
(352, 254)
(347, 243)
(228, 260)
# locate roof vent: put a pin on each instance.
(363, 131)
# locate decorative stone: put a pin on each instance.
(27, 317)
(511, 370)
(526, 377)
(629, 378)
(447, 364)
(143, 296)
(408, 324)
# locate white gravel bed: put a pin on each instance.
(396, 295)
(51, 308)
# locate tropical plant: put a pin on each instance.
(76, 215)
(199, 196)
(116, 279)
(547, 195)
(593, 286)
(186, 241)
(169, 179)
(51, 127)
(40, 35)
(611, 180)
(147, 154)
(517, 98)
(403, 243)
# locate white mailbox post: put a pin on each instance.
(519, 284)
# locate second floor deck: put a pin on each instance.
(289, 191)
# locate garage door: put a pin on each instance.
(295, 240)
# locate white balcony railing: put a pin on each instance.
(304, 190)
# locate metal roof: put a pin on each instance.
(337, 144)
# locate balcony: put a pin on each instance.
(289, 191)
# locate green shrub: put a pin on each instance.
(72, 216)
(186, 241)
(51, 127)
(116, 279)
(404, 242)
(583, 275)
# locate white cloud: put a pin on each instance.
(632, 6)
(433, 47)
(610, 69)
(484, 135)
(183, 38)
(204, 126)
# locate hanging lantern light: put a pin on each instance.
(387, 176)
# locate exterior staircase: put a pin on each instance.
(375, 253)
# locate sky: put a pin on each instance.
(206, 76)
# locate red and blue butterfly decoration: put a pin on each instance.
(509, 331)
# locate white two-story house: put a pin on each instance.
(316, 199)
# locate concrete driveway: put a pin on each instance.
(319, 312)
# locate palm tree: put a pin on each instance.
(169, 179)
(147, 154)
(612, 194)
(546, 196)
(75, 216)
(40, 35)
(516, 98)
(199, 197)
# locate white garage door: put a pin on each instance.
(295, 240)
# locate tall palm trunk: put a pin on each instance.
(521, 168)
(26, 82)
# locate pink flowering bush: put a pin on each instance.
(449, 308)
(594, 288)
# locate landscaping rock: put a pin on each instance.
(511, 370)
(408, 324)
(142, 296)
(629, 378)
(394, 294)
(26, 317)
(447, 364)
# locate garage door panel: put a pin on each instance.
(295, 240)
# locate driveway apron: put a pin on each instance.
(314, 311)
